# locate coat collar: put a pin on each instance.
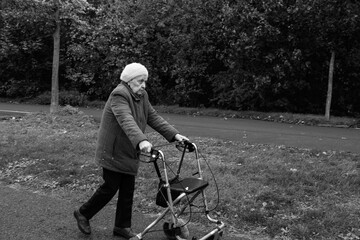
(134, 96)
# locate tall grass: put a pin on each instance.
(281, 192)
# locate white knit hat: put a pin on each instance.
(133, 70)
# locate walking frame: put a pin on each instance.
(173, 191)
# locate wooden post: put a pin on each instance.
(56, 58)
(330, 86)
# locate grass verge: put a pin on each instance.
(76, 99)
(283, 117)
(265, 190)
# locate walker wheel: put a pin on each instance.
(216, 236)
(134, 238)
(172, 232)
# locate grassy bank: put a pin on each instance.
(265, 190)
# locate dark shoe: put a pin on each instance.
(123, 232)
(82, 222)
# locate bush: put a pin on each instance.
(42, 99)
(96, 104)
(73, 98)
(13, 88)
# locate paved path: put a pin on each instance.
(32, 216)
(27, 215)
(254, 131)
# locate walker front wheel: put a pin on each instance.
(172, 232)
(216, 236)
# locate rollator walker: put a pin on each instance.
(177, 194)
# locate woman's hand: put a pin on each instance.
(179, 137)
(145, 146)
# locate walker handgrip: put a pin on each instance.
(189, 145)
(185, 144)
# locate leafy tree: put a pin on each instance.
(253, 56)
(181, 39)
(24, 40)
(277, 52)
(27, 27)
(242, 55)
(97, 54)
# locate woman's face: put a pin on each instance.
(138, 84)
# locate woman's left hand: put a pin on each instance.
(179, 137)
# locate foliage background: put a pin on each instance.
(229, 54)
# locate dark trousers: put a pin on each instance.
(114, 181)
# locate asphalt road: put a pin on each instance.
(253, 131)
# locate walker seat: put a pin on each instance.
(188, 185)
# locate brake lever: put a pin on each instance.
(153, 155)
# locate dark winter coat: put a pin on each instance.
(122, 128)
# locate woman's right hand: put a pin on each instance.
(145, 146)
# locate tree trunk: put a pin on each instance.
(56, 58)
(330, 86)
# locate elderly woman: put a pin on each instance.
(121, 136)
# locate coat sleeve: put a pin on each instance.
(121, 109)
(161, 125)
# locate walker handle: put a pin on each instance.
(185, 144)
